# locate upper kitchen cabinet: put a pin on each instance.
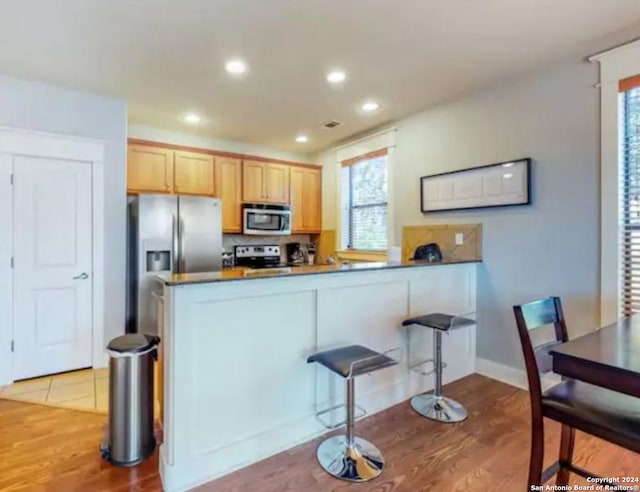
(278, 183)
(265, 182)
(229, 189)
(149, 169)
(194, 174)
(306, 200)
(254, 182)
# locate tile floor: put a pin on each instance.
(80, 390)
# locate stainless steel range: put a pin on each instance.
(259, 256)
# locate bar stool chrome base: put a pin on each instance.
(359, 462)
(439, 408)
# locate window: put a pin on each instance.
(364, 202)
(630, 198)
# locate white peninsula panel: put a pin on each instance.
(237, 385)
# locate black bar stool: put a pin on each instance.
(348, 457)
(435, 406)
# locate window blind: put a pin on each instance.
(630, 198)
(364, 202)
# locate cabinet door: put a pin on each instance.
(149, 169)
(193, 174)
(277, 179)
(312, 204)
(297, 199)
(254, 181)
(229, 190)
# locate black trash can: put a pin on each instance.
(130, 435)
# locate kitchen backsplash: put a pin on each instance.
(231, 240)
(445, 237)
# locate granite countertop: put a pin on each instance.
(231, 274)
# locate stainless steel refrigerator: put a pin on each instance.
(167, 234)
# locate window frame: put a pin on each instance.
(349, 165)
(615, 65)
(627, 225)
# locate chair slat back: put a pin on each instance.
(539, 313)
(534, 315)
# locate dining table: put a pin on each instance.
(608, 357)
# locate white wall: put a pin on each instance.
(548, 248)
(204, 142)
(36, 106)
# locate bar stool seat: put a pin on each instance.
(438, 321)
(435, 406)
(348, 457)
(340, 360)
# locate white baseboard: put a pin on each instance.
(511, 375)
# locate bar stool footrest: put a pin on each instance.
(415, 367)
(360, 412)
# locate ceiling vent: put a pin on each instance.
(330, 125)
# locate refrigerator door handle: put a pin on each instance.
(175, 244)
(181, 234)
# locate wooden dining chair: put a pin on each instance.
(609, 415)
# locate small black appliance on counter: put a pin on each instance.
(428, 252)
(295, 255)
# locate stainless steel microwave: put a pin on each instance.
(266, 219)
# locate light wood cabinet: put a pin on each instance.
(312, 207)
(306, 200)
(297, 199)
(277, 176)
(194, 174)
(156, 169)
(254, 182)
(265, 182)
(229, 189)
(149, 169)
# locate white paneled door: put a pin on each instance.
(52, 266)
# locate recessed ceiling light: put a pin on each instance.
(508, 164)
(302, 139)
(370, 106)
(507, 175)
(192, 118)
(236, 66)
(336, 77)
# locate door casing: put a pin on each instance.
(49, 145)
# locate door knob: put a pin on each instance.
(82, 276)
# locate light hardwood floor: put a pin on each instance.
(50, 449)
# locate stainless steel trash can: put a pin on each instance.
(130, 435)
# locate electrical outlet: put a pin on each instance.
(459, 239)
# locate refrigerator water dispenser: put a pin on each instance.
(159, 261)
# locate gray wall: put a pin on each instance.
(548, 248)
(37, 106)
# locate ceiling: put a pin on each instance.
(166, 57)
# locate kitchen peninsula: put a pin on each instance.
(237, 387)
